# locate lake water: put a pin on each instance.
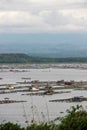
(38, 107)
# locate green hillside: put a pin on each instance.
(24, 58)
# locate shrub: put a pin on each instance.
(42, 126)
(76, 119)
(10, 126)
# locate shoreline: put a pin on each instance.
(44, 66)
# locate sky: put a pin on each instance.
(25, 21)
(41, 16)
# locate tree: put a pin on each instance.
(76, 119)
(10, 126)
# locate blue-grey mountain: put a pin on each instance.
(46, 45)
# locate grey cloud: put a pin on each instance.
(85, 3)
(37, 19)
(80, 4)
(14, 5)
(8, 5)
(55, 18)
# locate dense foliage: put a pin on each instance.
(76, 119)
(10, 126)
(23, 58)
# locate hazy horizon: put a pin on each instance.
(59, 45)
(44, 27)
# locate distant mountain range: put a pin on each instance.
(45, 45)
(24, 58)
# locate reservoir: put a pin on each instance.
(38, 108)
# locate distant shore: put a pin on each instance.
(20, 58)
(14, 66)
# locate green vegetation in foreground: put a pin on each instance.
(24, 58)
(76, 119)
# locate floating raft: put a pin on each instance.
(6, 101)
(74, 99)
(45, 93)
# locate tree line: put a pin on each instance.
(24, 58)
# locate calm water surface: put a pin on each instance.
(42, 108)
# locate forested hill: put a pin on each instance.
(24, 58)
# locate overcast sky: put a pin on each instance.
(43, 16)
